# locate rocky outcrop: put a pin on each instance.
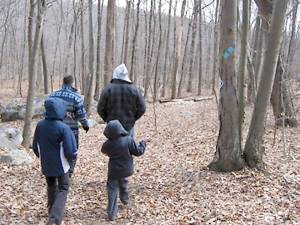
(10, 150)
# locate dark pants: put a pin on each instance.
(73, 162)
(57, 190)
(114, 187)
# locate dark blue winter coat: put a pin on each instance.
(54, 142)
(119, 148)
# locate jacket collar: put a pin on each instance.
(68, 87)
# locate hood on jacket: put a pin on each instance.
(55, 109)
(114, 130)
(121, 73)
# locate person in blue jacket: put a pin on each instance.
(119, 147)
(54, 143)
(75, 110)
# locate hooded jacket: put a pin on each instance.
(121, 100)
(119, 148)
(54, 142)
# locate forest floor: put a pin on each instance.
(171, 184)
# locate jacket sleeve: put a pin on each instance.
(102, 104)
(35, 143)
(69, 143)
(135, 149)
(104, 149)
(140, 105)
(80, 112)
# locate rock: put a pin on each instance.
(11, 153)
(16, 111)
(13, 135)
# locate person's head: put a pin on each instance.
(114, 130)
(68, 80)
(55, 108)
(121, 73)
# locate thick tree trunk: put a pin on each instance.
(228, 154)
(254, 149)
(32, 70)
(83, 81)
(109, 42)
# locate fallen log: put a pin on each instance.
(195, 99)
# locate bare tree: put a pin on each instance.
(99, 20)
(242, 65)
(45, 70)
(178, 49)
(254, 149)
(90, 89)
(228, 156)
(163, 93)
(109, 42)
(32, 70)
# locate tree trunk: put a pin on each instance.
(45, 71)
(242, 65)
(158, 54)
(99, 19)
(200, 50)
(254, 149)
(133, 75)
(109, 42)
(216, 45)
(228, 154)
(281, 103)
(90, 89)
(149, 44)
(184, 58)
(163, 92)
(83, 82)
(178, 49)
(32, 70)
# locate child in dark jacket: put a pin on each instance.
(119, 148)
(54, 143)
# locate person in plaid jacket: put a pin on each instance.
(121, 100)
(75, 110)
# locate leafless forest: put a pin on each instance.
(222, 83)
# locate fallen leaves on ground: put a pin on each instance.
(171, 184)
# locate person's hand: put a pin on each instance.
(86, 128)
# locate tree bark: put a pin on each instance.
(109, 42)
(254, 149)
(32, 69)
(228, 154)
(242, 65)
(178, 50)
(216, 46)
(200, 51)
(163, 93)
(133, 75)
(45, 70)
(99, 20)
(90, 89)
